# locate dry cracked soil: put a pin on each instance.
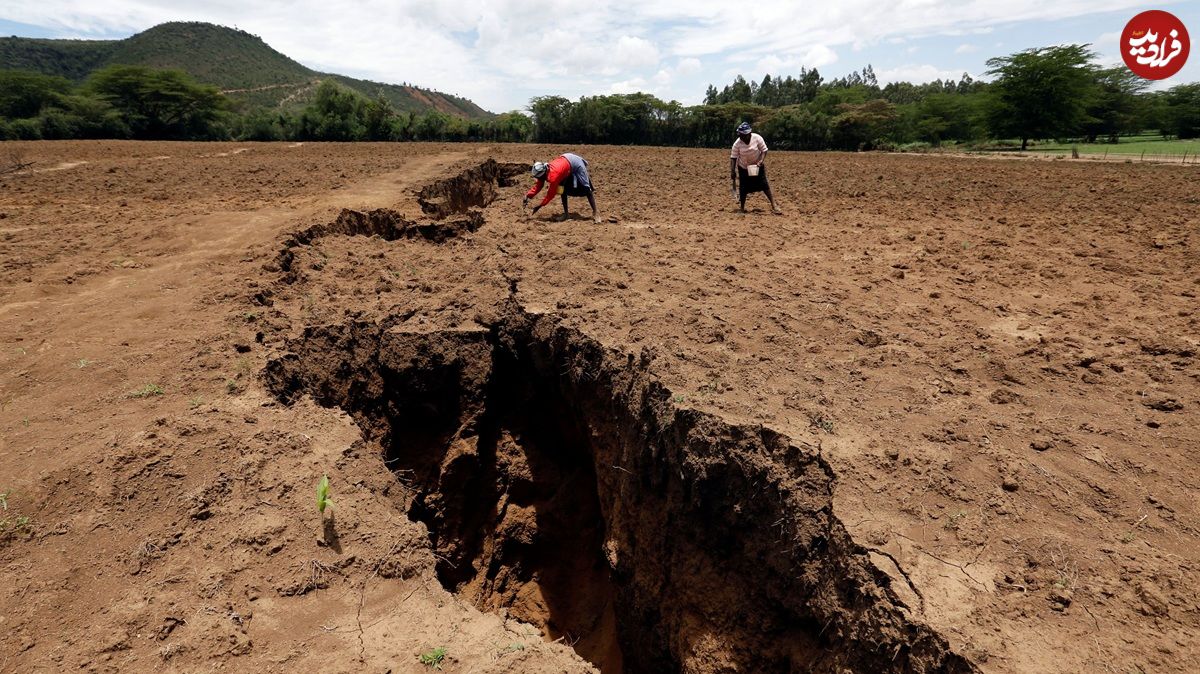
(940, 416)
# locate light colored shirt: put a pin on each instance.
(749, 153)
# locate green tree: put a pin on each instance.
(798, 127)
(1041, 93)
(1180, 112)
(861, 126)
(512, 127)
(159, 103)
(550, 115)
(24, 94)
(335, 114)
(1114, 108)
(377, 116)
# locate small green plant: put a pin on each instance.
(11, 526)
(953, 520)
(323, 501)
(231, 386)
(146, 391)
(433, 657)
(822, 422)
(1128, 537)
(250, 317)
(678, 398)
(82, 363)
(195, 402)
(25, 421)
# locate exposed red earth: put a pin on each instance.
(940, 416)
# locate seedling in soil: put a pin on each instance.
(11, 526)
(195, 402)
(14, 526)
(82, 363)
(25, 422)
(952, 522)
(433, 657)
(822, 422)
(146, 391)
(323, 501)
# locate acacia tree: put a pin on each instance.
(159, 103)
(1115, 107)
(1041, 93)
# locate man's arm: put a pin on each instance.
(533, 191)
(551, 192)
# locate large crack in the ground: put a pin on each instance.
(473, 188)
(560, 485)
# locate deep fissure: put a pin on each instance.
(560, 485)
(458, 195)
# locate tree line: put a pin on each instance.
(1047, 93)
(152, 104)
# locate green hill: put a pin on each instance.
(243, 66)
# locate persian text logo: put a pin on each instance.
(1155, 44)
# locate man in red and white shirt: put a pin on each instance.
(567, 176)
(747, 167)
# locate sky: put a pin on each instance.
(501, 53)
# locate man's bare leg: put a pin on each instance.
(771, 197)
(592, 202)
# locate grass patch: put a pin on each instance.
(433, 657)
(146, 391)
(1151, 146)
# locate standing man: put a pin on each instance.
(747, 167)
(568, 176)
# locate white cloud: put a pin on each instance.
(966, 48)
(813, 57)
(688, 66)
(635, 52)
(501, 52)
(917, 74)
(632, 86)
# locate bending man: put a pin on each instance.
(567, 176)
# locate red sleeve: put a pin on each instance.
(559, 168)
(537, 187)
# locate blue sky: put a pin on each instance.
(500, 53)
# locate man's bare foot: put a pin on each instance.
(596, 219)
(776, 211)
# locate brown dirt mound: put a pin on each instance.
(561, 485)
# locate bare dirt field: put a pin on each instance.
(943, 415)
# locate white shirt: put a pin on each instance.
(749, 153)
